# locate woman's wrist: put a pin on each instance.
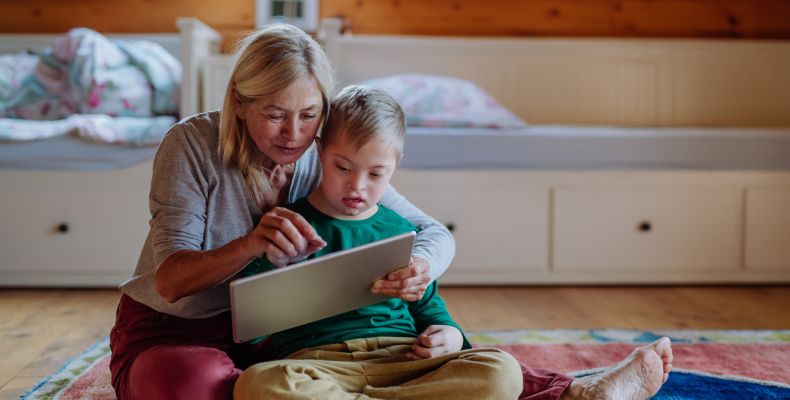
(243, 246)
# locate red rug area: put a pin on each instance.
(763, 361)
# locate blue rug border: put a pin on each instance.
(43, 382)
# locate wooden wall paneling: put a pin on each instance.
(122, 16)
(231, 35)
(582, 18)
(621, 18)
(471, 17)
(702, 18)
(229, 17)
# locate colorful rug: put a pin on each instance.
(729, 365)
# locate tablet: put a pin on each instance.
(312, 290)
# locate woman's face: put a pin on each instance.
(284, 124)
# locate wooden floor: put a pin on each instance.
(42, 329)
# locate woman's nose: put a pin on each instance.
(290, 128)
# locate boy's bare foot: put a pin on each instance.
(638, 377)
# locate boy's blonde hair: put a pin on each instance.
(362, 114)
(267, 61)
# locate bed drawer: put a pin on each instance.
(768, 228)
(494, 229)
(72, 232)
(648, 230)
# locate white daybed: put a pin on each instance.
(585, 203)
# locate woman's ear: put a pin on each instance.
(237, 106)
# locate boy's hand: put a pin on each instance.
(435, 341)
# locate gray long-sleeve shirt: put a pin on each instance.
(199, 203)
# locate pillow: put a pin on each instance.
(444, 102)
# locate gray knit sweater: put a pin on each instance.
(199, 203)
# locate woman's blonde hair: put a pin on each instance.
(265, 62)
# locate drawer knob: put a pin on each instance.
(63, 227)
(645, 226)
(450, 227)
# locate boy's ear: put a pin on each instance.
(399, 159)
(318, 149)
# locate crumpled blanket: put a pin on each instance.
(87, 73)
(133, 131)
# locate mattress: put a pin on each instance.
(555, 147)
(70, 153)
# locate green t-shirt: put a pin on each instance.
(391, 318)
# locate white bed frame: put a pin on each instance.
(106, 212)
(585, 227)
(511, 227)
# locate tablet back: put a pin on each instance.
(311, 290)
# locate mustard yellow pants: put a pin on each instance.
(378, 368)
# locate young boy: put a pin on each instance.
(393, 349)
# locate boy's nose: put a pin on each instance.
(356, 182)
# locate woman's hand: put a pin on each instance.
(435, 341)
(284, 237)
(408, 283)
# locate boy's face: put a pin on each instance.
(355, 179)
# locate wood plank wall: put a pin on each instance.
(229, 17)
(598, 18)
(612, 18)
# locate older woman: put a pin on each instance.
(217, 181)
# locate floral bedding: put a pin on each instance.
(91, 84)
(443, 102)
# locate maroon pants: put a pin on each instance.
(159, 356)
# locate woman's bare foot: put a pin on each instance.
(638, 377)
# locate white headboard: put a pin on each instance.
(626, 82)
(199, 42)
